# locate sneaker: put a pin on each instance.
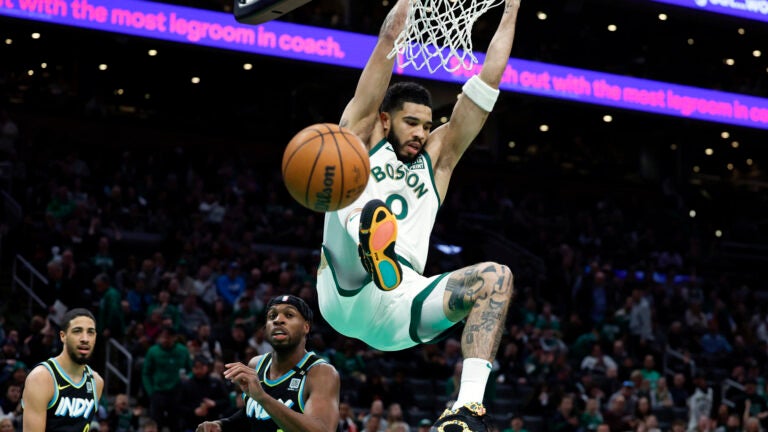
(378, 232)
(469, 418)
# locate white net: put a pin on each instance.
(438, 33)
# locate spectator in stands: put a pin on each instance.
(695, 319)
(235, 345)
(591, 418)
(209, 346)
(700, 402)
(192, 316)
(753, 404)
(622, 358)
(164, 366)
(715, 344)
(649, 371)
(205, 287)
(679, 390)
(661, 396)
(231, 285)
(374, 421)
(347, 418)
(616, 416)
(111, 319)
(121, 418)
(565, 418)
(425, 425)
(169, 312)
(733, 424)
(149, 425)
(652, 423)
(139, 299)
(640, 324)
(102, 260)
(642, 410)
(6, 425)
(628, 396)
(202, 398)
(10, 403)
(599, 363)
(395, 416)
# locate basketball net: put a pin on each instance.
(438, 33)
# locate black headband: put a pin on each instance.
(294, 301)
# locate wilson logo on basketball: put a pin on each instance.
(324, 196)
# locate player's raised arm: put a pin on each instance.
(361, 113)
(478, 94)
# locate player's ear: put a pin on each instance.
(386, 120)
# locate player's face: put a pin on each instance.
(409, 129)
(285, 328)
(79, 339)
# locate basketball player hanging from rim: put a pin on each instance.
(370, 284)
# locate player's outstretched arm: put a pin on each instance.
(470, 113)
(361, 113)
(38, 391)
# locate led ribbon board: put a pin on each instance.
(750, 9)
(321, 45)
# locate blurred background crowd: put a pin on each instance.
(639, 263)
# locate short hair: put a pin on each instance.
(74, 313)
(402, 92)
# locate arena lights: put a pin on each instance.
(43, 65)
(247, 66)
(729, 61)
(735, 144)
(541, 16)
(741, 31)
(709, 151)
(750, 9)
(102, 67)
(756, 53)
(612, 27)
(8, 41)
(725, 135)
(690, 41)
(35, 35)
(662, 17)
(718, 233)
(345, 49)
(195, 80)
(607, 118)
(692, 214)
(152, 52)
(544, 128)
(673, 147)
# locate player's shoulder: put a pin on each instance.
(40, 379)
(40, 371)
(255, 360)
(321, 368)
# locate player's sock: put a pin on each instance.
(474, 376)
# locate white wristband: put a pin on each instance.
(481, 93)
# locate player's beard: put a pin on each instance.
(398, 146)
(76, 356)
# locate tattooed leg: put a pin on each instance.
(481, 293)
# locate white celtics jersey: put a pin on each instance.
(409, 191)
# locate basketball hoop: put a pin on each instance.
(260, 11)
(438, 33)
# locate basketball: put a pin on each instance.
(325, 167)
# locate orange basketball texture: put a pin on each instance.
(325, 167)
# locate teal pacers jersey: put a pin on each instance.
(74, 405)
(409, 191)
(288, 389)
